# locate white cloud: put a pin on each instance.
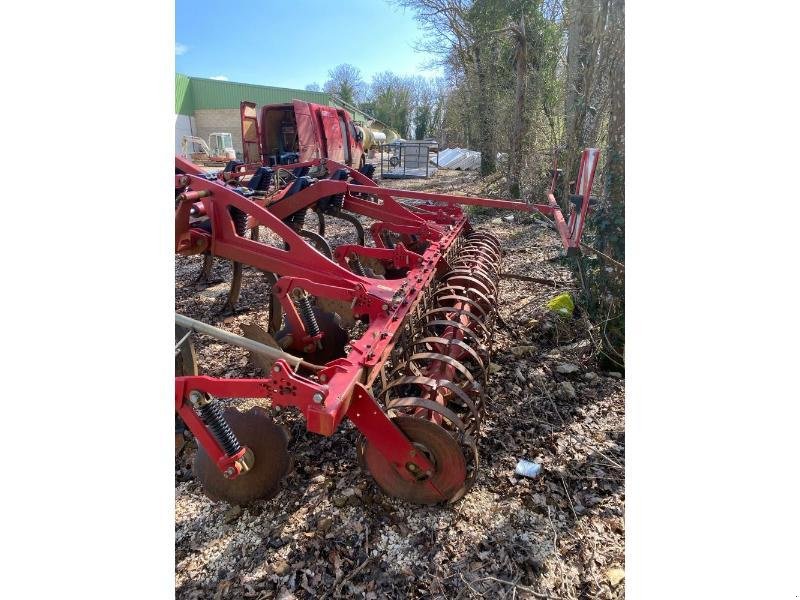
(220, 78)
(180, 49)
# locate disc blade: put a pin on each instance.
(450, 470)
(268, 442)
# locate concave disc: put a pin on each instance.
(268, 442)
(333, 342)
(450, 470)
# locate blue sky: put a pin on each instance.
(294, 43)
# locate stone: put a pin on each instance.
(569, 390)
(589, 376)
(615, 374)
(232, 514)
(567, 368)
(522, 350)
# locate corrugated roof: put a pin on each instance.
(211, 93)
(192, 93)
(183, 95)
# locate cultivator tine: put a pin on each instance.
(353, 220)
(321, 225)
(233, 293)
(319, 242)
(205, 271)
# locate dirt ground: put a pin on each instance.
(331, 533)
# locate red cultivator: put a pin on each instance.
(410, 316)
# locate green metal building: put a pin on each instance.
(205, 106)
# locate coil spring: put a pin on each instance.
(239, 218)
(358, 268)
(388, 241)
(212, 416)
(303, 304)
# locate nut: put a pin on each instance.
(317, 398)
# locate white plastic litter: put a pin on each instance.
(527, 468)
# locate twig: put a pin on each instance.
(616, 263)
(549, 397)
(352, 574)
(569, 496)
(555, 533)
(516, 585)
(541, 280)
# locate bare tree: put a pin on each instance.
(313, 87)
(345, 82)
(458, 31)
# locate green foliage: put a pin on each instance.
(529, 78)
(604, 283)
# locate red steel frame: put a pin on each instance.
(341, 389)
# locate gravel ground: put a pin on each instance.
(331, 533)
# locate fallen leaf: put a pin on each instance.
(615, 576)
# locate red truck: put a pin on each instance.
(299, 131)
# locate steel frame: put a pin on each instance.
(340, 390)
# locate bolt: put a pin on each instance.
(317, 398)
(323, 378)
(276, 369)
(384, 307)
(230, 472)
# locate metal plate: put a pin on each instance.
(450, 471)
(268, 441)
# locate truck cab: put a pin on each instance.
(299, 131)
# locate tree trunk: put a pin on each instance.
(581, 51)
(615, 158)
(573, 50)
(486, 134)
(520, 127)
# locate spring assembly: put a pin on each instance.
(239, 218)
(296, 220)
(211, 414)
(356, 266)
(303, 303)
(387, 239)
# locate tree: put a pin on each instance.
(313, 87)
(459, 32)
(345, 82)
(520, 127)
(390, 101)
(615, 154)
